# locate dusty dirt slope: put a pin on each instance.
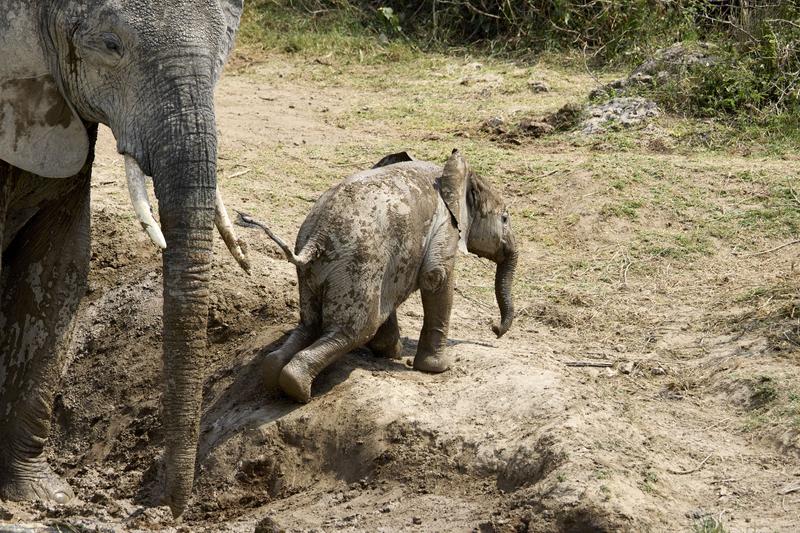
(697, 422)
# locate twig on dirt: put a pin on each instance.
(718, 422)
(596, 364)
(473, 300)
(240, 173)
(788, 489)
(720, 481)
(692, 470)
(634, 382)
(763, 252)
(351, 164)
(627, 262)
(789, 339)
(548, 173)
(794, 195)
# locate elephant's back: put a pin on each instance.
(373, 226)
(376, 200)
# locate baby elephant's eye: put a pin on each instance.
(505, 218)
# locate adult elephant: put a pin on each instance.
(147, 69)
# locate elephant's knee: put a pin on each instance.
(271, 368)
(433, 279)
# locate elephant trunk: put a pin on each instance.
(185, 184)
(503, 281)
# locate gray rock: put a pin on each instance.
(666, 63)
(624, 112)
(538, 86)
(494, 125)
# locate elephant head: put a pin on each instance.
(484, 228)
(147, 69)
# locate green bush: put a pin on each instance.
(604, 29)
(760, 67)
(758, 41)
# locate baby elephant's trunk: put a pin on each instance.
(503, 280)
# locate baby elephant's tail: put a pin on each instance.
(245, 220)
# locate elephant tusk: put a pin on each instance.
(237, 247)
(141, 203)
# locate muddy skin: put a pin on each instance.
(370, 242)
(46, 261)
(147, 69)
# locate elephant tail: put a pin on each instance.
(299, 260)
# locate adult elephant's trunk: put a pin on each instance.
(184, 175)
(503, 280)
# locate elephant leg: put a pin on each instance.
(45, 271)
(436, 288)
(306, 332)
(386, 341)
(301, 337)
(296, 377)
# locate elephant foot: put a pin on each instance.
(33, 482)
(433, 363)
(295, 381)
(393, 351)
(271, 369)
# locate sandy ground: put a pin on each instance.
(694, 423)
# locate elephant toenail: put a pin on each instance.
(61, 498)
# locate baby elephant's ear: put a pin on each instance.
(39, 132)
(453, 188)
(391, 159)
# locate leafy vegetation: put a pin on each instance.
(754, 79)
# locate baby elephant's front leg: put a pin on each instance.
(436, 287)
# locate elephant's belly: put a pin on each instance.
(398, 284)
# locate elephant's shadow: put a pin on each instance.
(244, 403)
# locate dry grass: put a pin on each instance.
(637, 244)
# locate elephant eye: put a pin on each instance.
(112, 43)
(504, 218)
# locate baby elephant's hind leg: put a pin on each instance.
(306, 332)
(386, 341)
(273, 363)
(297, 375)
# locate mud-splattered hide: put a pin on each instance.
(371, 241)
(147, 69)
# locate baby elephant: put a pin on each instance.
(371, 241)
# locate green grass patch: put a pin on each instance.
(626, 209)
(708, 524)
(268, 26)
(667, 245)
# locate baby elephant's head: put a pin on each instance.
(485, 226)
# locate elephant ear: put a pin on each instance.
(391, 159)
(39, 131)
(453, 188)
(232, 11)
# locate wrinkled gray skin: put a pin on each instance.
(371, 241)
(147, 69)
